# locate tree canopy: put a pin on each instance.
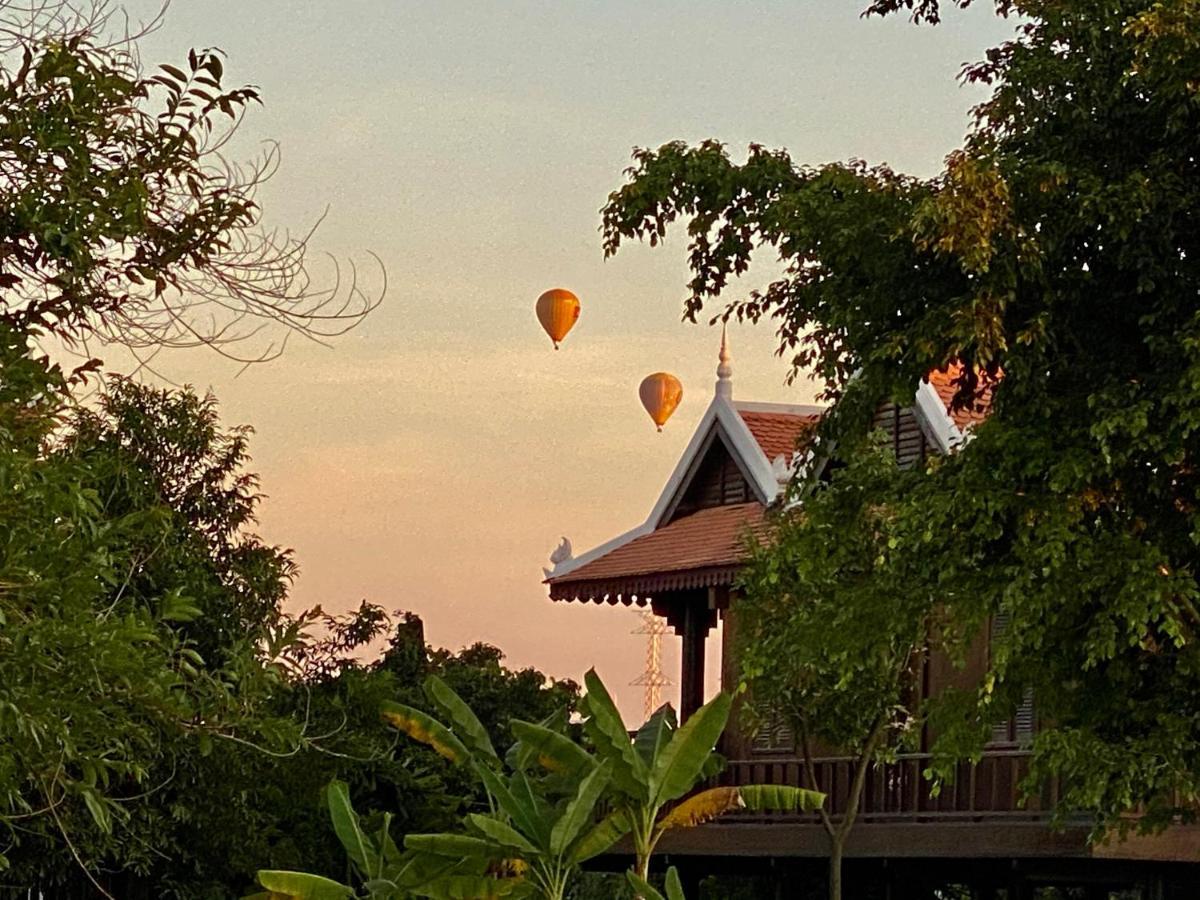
(1055, 259)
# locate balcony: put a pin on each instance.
(894, 792)
(978, 816)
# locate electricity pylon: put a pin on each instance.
(652, 679)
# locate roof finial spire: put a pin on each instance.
(724, 369)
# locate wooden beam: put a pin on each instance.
(691, 675)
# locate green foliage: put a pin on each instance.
(136, 210)
(663, 763)
(830, 635)
(1058, 253)
(272, 805)
(534, 836)
(98, 673)
(543, 818)
(144, 729)
(672, 888)
(143, 720)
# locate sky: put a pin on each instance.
(431, 459)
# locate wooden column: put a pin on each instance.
(691, 675)
(692, 614)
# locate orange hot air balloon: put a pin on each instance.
(557, 310)
(660, 393)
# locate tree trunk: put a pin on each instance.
(836, 846)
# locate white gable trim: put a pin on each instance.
(699, 439)
(682, 468)
(567, 566)
(751, 454)
(937, 419)
(741, 443)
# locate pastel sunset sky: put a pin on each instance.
(431, 459)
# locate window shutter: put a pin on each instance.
(1018, 729)
(1023, 720)
(774, 735)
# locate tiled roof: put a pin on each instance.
(777, 432)
(964, 417)
(707, 540)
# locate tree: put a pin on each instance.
(832, 633)
(122, 222)
(262, 816)
(1055, 260)
(133, 602)
(95, 679)
(167, 449)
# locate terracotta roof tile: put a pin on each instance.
(706, 539)
(777, 433)
(965, 417)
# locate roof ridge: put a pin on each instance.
(789, 409)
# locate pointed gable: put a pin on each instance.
(717, 481)
(717, 496)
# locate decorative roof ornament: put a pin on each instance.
(724, 369)
(782, 468)
(562, 553)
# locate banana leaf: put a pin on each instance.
(359, 847)
(420, 727)
(682, 762)
(601, 838)
(647, 891)
(462, 719)
(552, 750)
(610, 737)
(780, 798)
(516, 805)
(455, 846)
(501, 833)
(302, 886)
(655, 734)
(580, 809)
(474, 887)
(703, 807)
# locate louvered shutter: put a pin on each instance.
(1018, 729)
(774, 734)
(903, 431)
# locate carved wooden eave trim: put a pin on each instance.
(640, 590)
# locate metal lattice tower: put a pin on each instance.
(652, 679)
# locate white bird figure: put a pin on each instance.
(782, 469)
(561, 554)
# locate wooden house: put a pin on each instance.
(975, 838)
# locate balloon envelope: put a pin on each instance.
(660, 393)
(557, 310)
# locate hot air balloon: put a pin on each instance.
(660, 393)
(557, 310)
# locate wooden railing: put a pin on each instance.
(989, 789)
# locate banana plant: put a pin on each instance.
(539, 827)
(672, 886)
(386, 872)
(527, 834)
(663, 763)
